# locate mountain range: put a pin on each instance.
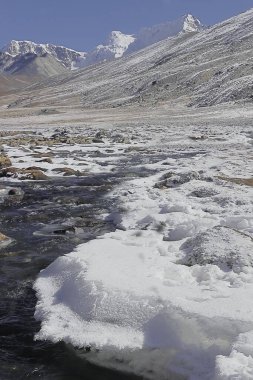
(33, 61)
(193, 68)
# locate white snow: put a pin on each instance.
(148, 36)
(68, 57)
(129, 293)
(191, 24)
(119, 44)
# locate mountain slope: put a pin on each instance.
(21, 70)
(119, 44)
(13, 83)
(200, 69)
(149, 36)
(116, 45)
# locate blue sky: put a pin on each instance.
(82, 24)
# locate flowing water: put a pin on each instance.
(35, 225)
(53, 217)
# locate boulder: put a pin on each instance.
(172, 179)
(221, 246)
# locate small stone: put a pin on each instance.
(4, 161)
(68, 171)
(4, 240)
(47, 160)
(23, 174)
(10, 195)
(97, 141)
(36, 168)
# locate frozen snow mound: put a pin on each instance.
(221, 246)
(123, 294)
(88, 298)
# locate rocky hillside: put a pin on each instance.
(116, 46)
(119, 44)
(196, 69)
(148, 36)
(35, 61)
(23, 69)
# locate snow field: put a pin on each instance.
(169, 293)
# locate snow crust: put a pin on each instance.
(169, 293)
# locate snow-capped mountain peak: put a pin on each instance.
(68, 57)
(116, 45)
(191, 24)
(156, 33)
(119, 42)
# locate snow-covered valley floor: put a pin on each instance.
(169, 293)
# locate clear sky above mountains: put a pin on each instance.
(82, 24)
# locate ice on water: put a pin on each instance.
(169, 293)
